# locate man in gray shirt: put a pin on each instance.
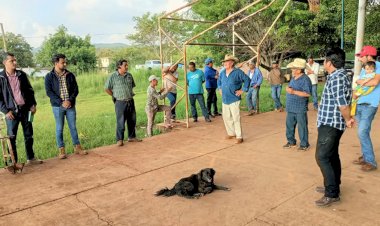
(120, 86)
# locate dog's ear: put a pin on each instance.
(212, 171)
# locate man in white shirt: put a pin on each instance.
(312, 69)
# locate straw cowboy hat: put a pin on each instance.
(297, 63)
(230, 57)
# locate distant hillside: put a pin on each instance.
(109, 45)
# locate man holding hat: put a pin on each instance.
(211, 76)
(297, 97)
(276, 80)
(366, 110)
(230, 85)
(152, 106)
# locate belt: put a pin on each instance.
(129, 100)
(364, 104)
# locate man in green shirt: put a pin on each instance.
(120, 85)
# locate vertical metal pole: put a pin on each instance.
(161, 53)
(186, 93)
(4, 42)
(233, 39)
(342, 31)
(359, 37)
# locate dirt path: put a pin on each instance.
(270, 186)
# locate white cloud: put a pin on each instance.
(105, 21)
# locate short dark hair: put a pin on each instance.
(120, 62)
(4, 55)
(192, 63)
(56, 57)
(336, 56)
(371, 64)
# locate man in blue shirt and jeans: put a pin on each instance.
(230, 85)
(366, 110)
(211, 76)
(195, 79)
(256, 78)
(333, 118)
(297, 97)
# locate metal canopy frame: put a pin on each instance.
(255, 48)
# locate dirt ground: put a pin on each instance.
(270, 185)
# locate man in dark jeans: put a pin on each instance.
(195, 79)
(211, 76)
(16, 101)
(120, 86)
(333, 117)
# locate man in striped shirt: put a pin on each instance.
(333, 117)
(120, 86)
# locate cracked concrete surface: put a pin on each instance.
(270, 186)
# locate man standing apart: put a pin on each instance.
(230, 85)
(366, 110)
(333, 117)
(211, 76)
(312, 70)
(120, 86)
(16, 101)
(298, 93)
(195, 79)
(256, 78)
(62, 89)
(276, 80)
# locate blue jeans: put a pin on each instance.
(252, 96)
(327, 157)
(201, 101)
(59, 116)
(276, 94)
(364, 117)
(314, 94)
(172, 98)
(292, 119)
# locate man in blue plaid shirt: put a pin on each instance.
(297, 98)
(333, 117)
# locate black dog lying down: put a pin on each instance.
(195, 186)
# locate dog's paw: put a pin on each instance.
(198, 195)
(228, 189)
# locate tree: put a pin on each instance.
(79, 52)
(17, 45)
(147, 34)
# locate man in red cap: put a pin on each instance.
(366, 109)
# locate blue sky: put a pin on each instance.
(106, 21)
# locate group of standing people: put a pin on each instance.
(18, 104)
(340, 107)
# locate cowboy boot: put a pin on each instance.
(78, 150)
(62, 153)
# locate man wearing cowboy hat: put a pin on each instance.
(297, 97)
(230, 85)
(366, 110)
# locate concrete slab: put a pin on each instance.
(270, 185)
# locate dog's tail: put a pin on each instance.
(166, 192)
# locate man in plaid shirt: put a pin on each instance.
(62, 89)
(333, 117)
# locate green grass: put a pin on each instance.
(96, 120)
